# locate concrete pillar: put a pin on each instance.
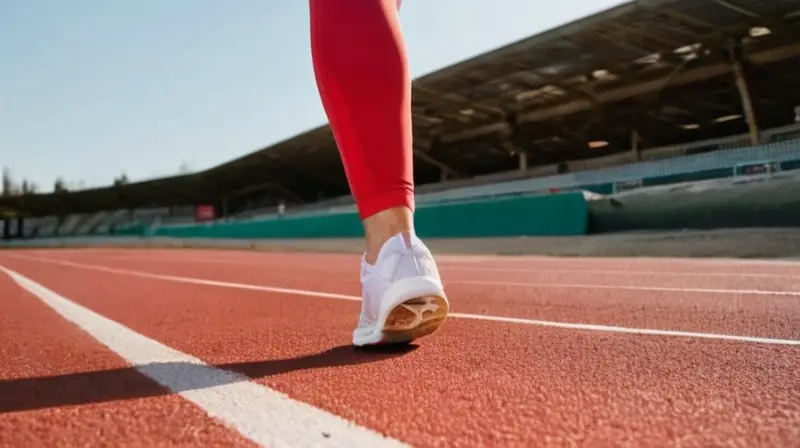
(636, 142)
(523, 161)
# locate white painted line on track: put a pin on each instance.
(760, 292)
(265, 416)
(722, 261)
(631, 272)
(456, 266)
(513, 320)
(454, 282)
(639, 331)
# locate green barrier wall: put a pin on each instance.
(750, 202)
(133, 230)
(557, 214)
(512, 215)
(697, 176)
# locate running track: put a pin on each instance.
(146, 347)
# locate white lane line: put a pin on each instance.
(721, 261)
(194, 280)
(633, 272)
(265, 416)
(451, 266)
(639, 331)
(514, 320)
(762, 292)
(454, 282)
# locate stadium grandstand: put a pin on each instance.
(646, 89)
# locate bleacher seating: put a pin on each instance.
(47, 227)
(88, 224)
(622, 167)
(779, 152)
(781, 145)
(103, 227)
(69, 224)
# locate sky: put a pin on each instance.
(92, 89)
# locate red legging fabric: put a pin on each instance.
(362, 75)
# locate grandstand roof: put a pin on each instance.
(656, 66)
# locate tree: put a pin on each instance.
(60, 186)
(8, 182)
(121, 180)
(185, 168)
(29, 187)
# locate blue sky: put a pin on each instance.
(90, 89)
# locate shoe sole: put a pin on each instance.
(414, 319)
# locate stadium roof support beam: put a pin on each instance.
(507, 142)
(646, 36)
(742, 87)
(455, 100)
(686, 18)
(549, 80)
(737, 8)
(623, 93)
(420, 148)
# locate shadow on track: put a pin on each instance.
(26, 394)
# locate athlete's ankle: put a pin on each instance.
(379, 228)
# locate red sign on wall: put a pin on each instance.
(204, 213)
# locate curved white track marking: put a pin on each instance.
(265, 416)
(515, 320)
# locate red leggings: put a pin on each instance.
(362, 75)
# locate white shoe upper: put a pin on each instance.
(402, 258)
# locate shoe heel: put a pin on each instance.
(415, 318)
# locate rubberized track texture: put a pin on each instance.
(151, 348)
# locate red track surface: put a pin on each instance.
(474, 383)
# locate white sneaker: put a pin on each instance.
(402, 293)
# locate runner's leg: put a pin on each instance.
(362, 75)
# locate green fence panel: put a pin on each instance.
(346, 225)
(131, 230)
(557, 214)
(790, 165)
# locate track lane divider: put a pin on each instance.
(481, 317)
(265, 416)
